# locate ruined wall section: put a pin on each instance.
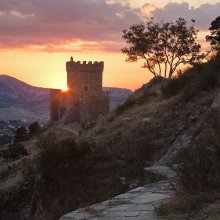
(92, 108)
(59, 102)
(54, 104)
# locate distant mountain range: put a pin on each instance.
(21, 101)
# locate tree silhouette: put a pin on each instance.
(164, 46)
(214, 37)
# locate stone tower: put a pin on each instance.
(85, 101)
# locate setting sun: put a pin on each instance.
(64, 88)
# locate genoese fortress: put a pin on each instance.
(84, 101)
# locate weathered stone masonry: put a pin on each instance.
(84, 101)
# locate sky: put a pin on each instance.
(37, 37)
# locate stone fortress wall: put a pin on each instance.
(84, 101)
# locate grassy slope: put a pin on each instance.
(139, 133)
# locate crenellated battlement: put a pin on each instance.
(85, 66)
(86, 62)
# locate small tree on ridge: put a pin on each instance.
(164, 46)
(214, 37)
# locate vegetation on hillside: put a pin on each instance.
(194, 80)
(67, 175)
(197, 166)
(23, 134)
(198, 176)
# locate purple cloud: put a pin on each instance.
(96, 24)
(203, 14)
(24, 22)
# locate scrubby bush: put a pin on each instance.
(194, 80)
(185, 205)
(75, 174)
(66, 175)
(142, 97)
(171, 88)
(198, 177)
(20, 134)
(24, 134)
(47, 141)
(123, 107)
(14, 152)
(198, 166)
(146, 94)
(34, 128)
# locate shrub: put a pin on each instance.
(198, 166)
(20, 134)
(171, 88)
(17, 151)
(47, 141)
(176, 84)
(14, 152)
(34, 128)
(208, 79)
(185, 204)
(145, 96)
(190, 91)
(200, 77)
(128, 104)
(79, 170)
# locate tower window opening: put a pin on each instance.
(86, 87)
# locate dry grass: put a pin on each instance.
(190, 206)
(127, 131)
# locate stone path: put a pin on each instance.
(162, 170)
(137, 204)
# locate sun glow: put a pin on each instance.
(64, 88)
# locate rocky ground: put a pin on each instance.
(136, 204)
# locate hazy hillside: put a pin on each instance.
(18, 100)
(117, 96)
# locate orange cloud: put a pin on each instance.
(74, 25)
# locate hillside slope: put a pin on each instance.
(157, 121)
(19, 100)
(163, 116)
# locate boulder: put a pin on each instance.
(147, 120)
